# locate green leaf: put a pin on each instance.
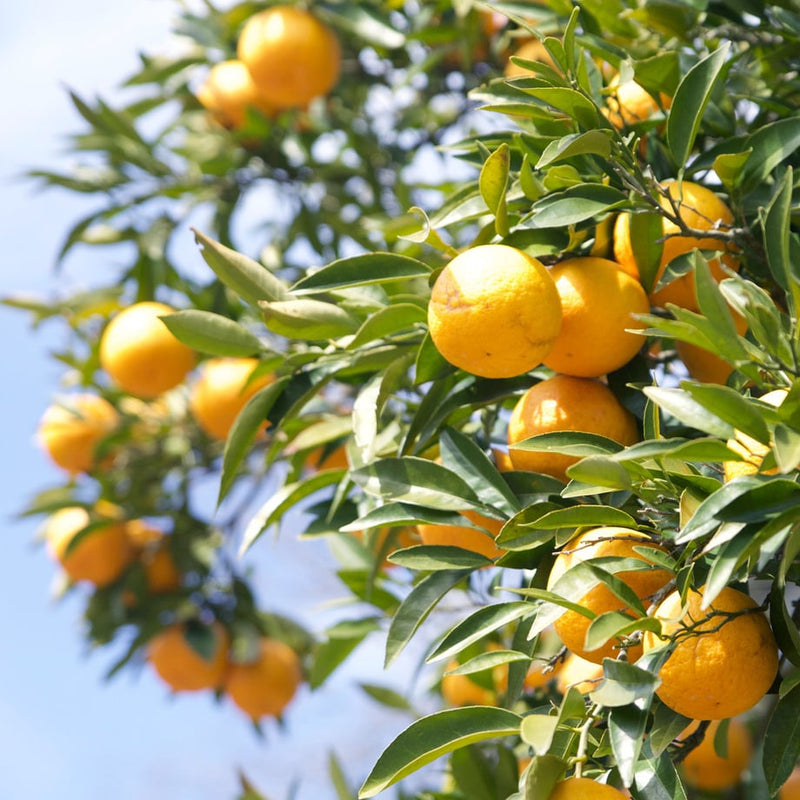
(538, 730)
(386, 697)
(729, 167)
(212, 333)
(340, 640)
(570, 101)
(570, 443)
(601, 472)
(615, 624)
(436, 557)
(252, 281)
(585, 515)
(771, 144)
(243, 433)
(594, 142)
(387, 322)
(365, 23)
(542, 775)
(656, 778)
(626, 728)
(338, 779)
(307, 319)
(646, 229)
(787, 448)
(478, 625)
(689, 411)
(782, 740)
(436, 735)
(784, 627)
(777, 232)
(690, 101)
(361, 270)
(493, 184)
(419, 602)
(728, 405)
(574, 205)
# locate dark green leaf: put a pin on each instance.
(782, 740)
(361, 270)
(574, 205)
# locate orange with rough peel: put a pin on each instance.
(228, 91)
(70, 432)
(140, 354)
(750, 449)
(586, 547)
(566, 403)
(725, 658)
(703, 768)
(184, 668)
(100, 556)
(222, 391)
(291, 55)
(791, 788)
(631, 103)
(700, 209)
(584, 789)
(599, 302)
(494, 311)
(265, 686)
(464, 537)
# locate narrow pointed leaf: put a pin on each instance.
(212, 333)
(361, 270)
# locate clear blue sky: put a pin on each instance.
(64, 734)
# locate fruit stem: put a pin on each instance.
(583, 737)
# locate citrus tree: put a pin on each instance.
(501, 300)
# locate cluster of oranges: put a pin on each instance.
(286, 58)
(97, 546)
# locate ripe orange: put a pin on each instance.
(598, 304)
(71, 431)
(531, 50)
(291, 55)
(565, 403)
(704, 769)
(630, 103)
(265, 686)
(700, 209)
(100, 556)
(461, 690)
(791, 788)
(222, 391)
(725, 658)
(494, 311)
(228, 91)
(152, 550)
(584, 789)
(140, 354)
(181, 666)
(462, 536)
(599, 543)
(751, 450)
(577, 672)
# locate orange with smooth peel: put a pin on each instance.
(181, 666)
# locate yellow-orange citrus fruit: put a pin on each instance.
(598, 304)
(531, 50)
(630, 103)
(152, 549)
(494, 311)
(791, 788)
(584, 789)
(265, 686)
(140, 354)
(461, 690)
(704, 769)
(579, 673)
(565, 403)
(99, 556)
(601, 543)
(222, 391)
(181, 666)
(750, 449)
(71, 431)
(725, 659)
(291, 55)
(463, 536)
(228, 91)
(699, 208)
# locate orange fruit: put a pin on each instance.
(791, 788)
(566, 403)
(584, 789)
(630, 103)
(184, 668)
(228, 91)
(579, 673)
(700, 209)
(221, 391)
(704, 769)
(291, 56)
(71, 431)
(461, 690)
(152, 549)
(725, 658)
(599, 302)
(463, 536)
(751, 450)
(494, 311)
(265, 686)
(100, 556)
(140, 354)
(530, 50)
(600, 543)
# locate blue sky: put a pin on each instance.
(64, 733)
